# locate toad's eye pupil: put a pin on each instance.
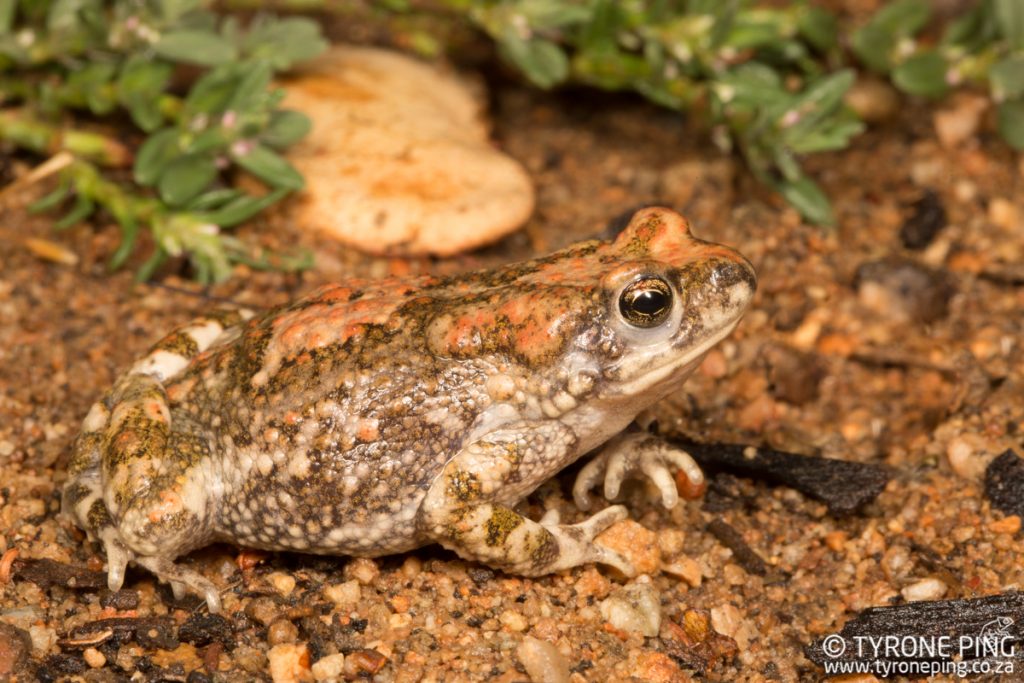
(649, 302)
(646, 302)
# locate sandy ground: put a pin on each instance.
(856, 347)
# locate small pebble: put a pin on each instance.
(966, 457)
(925, 589)
(344, 594)
(654, 667)
(282, 583)
(94, 658)
(635, 542)
(686, 569)
(728, 620)
(289, 663)
(873, 99)
(363, 570)
(542, 661)
(513, 621)
(1004, 213)
(1006, 525)
(329, 668)
(836, 541)
(959, 123)
(14, 648)
(281, 632)
(635, 608)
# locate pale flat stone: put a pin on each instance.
(399, 160)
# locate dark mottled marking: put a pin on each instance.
(181, 343)
(463, 486)
(501, 523)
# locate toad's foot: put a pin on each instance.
(182, 580)
(628, 453)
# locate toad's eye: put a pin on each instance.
(646, 302)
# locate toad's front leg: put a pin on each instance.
(467, 507)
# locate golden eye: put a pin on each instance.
(646, 302)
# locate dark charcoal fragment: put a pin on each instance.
(996, 616)
(46, 573)
(928, 219)
(1004, 483)
(733, 540)
(480, 575)
(843, 486)
(120, 600)
(202, 629)
(146, 631)
(56, 667)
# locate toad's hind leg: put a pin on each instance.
(137, 485)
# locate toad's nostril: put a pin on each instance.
(729, 272)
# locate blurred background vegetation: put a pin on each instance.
(145, 108)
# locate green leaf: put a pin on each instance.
(214, 198)
(599, 33)
(212, 140)
(818, 26)
(875, 42)
(172, 10)
(903, 17)
(212, 92)
(805, 196)
(973, 30)
(1007, 78)
(922, 74)
(1011, 123)
(252, 87)
(51, 200)
(540, 60)
(874, 47)
(286, 127)
(7, 9)
(1009, 15)
(81, 210)
(155, 153)
(129, 234)
(283, 42)
(63, 15)
(269, 166)
(139, 88)
(243, 208)
(185, 177)
(545, 15)
(195, 47)
(155, 260)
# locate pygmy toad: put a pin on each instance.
(375, 417)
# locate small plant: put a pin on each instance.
(769, 79)
(197, 86)
(983, 47)
(757, 73)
